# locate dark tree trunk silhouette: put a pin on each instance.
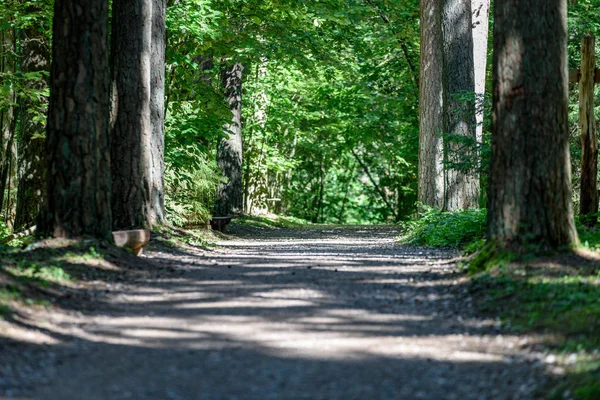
(230, 195)
(131, 138)
(78, 179)
(530, 180)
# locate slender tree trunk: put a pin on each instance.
(157, 112)
(230, 195)
(589, 138)
(530, 177)
(32, 165)
(431, 170)
(481, 18)
(132, 134)
(461, 187)
(7, 119)
(78, 179)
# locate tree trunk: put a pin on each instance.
(530, 177)
(461, 186)
(481, 18)
(131, 138)
(431, 170)
(7, 124)
(230, 195)
(78, 179)
(589, 139)
(157, 112)
(32, 165)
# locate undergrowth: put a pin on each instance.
(463, 230)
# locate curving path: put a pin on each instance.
(339, 313)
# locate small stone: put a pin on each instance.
(550, 359)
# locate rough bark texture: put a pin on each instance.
(157, 112)
(530, 178)
(131, 138)
(461, 186)
(589, 139)
(78, 180)
(431, 171)
(481, 17)
(230, 195)
(35, 55)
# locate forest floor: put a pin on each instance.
(319, 313)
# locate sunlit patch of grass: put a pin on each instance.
(464, 229)
(40, 272)
(565, 308)
(175, 237)
(589, 237)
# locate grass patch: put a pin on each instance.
(54, 270)
(463, 230)
(558, 297)
(174, 237)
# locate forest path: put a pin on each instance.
(328, 313)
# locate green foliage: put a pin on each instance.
(40, 272)
(4, 230)
(189, 192)
(463, 229)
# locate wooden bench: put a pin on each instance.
(220, 223)
(133, 239)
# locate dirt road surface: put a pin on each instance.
(327, 313)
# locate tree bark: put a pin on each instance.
(530, 177)
(157, 112)
(230, 195)
(77, 150)
(431, 170)
(589, 139)
(131, 138)
(461, 186)
(481, 18)
(35, 55)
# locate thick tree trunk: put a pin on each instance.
(157, 112)
(530, 178)
(32, 165)
(131, 138)
(589, 138)
(481, 18)
(461, 186)
(230, 195)
(78, 179)
(431, 170)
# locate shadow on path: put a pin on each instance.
(319, 314)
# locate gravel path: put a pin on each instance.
(308, 314)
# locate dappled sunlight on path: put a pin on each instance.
(320, 314)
